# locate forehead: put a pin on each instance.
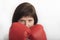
(27, 17)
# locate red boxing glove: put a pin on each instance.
(18, 31)
(37, 33)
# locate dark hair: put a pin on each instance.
(24, 9)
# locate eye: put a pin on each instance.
(21, 20)
(30, 20)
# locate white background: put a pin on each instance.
(48, 12)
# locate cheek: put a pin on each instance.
(31, 23)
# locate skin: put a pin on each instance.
(28, 21)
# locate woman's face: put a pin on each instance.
(28, 21)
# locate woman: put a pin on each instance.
(25, 14)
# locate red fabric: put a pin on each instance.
(19, 31)
(37, 33)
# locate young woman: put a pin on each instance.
(25, 14)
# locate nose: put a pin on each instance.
(26, 23)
